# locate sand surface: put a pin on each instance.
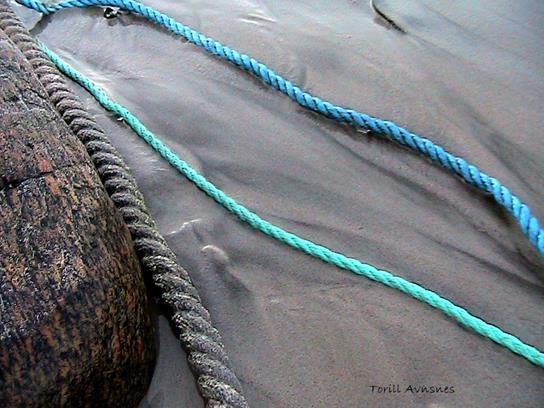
(300, 333)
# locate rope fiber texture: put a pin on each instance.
(529, 224)
(318, 251)
(207, 358)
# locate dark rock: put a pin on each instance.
(75, 328)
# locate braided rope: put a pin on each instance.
(316, 250)
(471, 174)
(217, 382)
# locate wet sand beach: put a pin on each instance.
(468, 75)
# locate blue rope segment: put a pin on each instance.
(316, 250)
(529, 224)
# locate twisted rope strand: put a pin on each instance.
(217, 382)
(316, 250)
(529, 224)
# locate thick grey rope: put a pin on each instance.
(216, 380)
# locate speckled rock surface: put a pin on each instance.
(75, 327)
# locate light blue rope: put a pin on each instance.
(470, 173)
(318, 251)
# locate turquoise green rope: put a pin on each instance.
(318, 251)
